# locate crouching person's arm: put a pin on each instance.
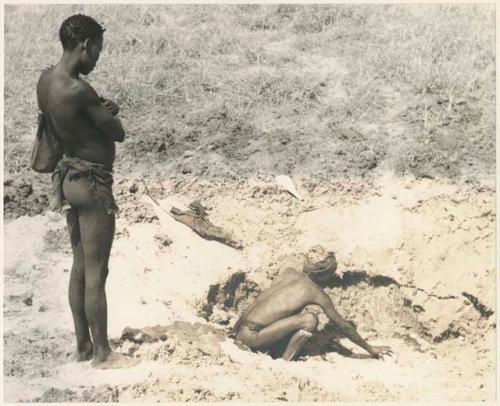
(347, 329)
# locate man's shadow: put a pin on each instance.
(322, 342)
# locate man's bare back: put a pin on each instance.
(288, 295)
(277, 313)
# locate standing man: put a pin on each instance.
(87, 128)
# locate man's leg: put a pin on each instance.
(296, 343)
(280, 329)
(77, 290)
(97, 229)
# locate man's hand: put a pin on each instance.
(111, 106)
(380, 352)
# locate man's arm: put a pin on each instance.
(324, 301)
(90, 102)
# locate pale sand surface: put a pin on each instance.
(435, 238)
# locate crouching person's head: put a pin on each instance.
(320, 266)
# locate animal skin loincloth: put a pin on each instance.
(99, 175)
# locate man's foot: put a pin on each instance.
(84, 354)
(113, 360)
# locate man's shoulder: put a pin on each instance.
(44, 78)
(293, 278)
(80, 88)
(65, 86)
(298, 279)
(78, 91)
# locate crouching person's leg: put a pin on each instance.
(299, 339)
(298, 325)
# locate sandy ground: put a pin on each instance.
(434, 238)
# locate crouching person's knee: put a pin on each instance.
(310, 322)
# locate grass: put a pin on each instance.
(285, 80)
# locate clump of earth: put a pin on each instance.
(22, 195)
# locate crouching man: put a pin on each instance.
(277, 313)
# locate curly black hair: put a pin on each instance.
(78, 28)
